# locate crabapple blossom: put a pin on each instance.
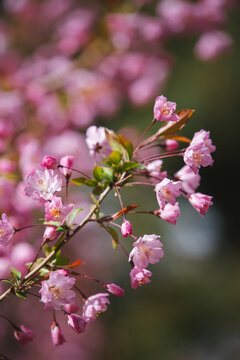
(164, 110)
(77, 323)
(94, 305)
(170, 213)
(167, 190)
(56, 334)
(23, 335)
(97, 141)
(114, 289)
(66, 163)
(203, 137)
(126, 228)
(147, 249)
(200, 202)
(139, 277)
(6, 231)
(43, 184)
(56, 291)
(190, 180)
(56, 211)
(49, 162)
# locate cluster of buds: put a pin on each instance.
(117, 164)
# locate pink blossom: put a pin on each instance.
(71, 308)
(126, 228)
(200, 202)
(154, 169)
(190, 180)
(170, 213)
(170, 144)
(23, 335)
(50, 234)
(139, 277)
(67, 163)
(49, 162)
(211, 45)
(56, 291)
(147, 249)
(77, 323)
(198, 152)
(56, 334)
(56, 211)
(164, 110)
(94, 305)
(97, 141)
(167, 190)
(43, 184)
(114, 289)
(6, 231)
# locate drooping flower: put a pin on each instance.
(114, 289)
(167, 190)
(147, 249)
(77, 323)
(49, 162)
(43, 184)
(126, 228)
(6, 231)
(139, 277)
(200, 202)
(23, 335)
(164, 110)
(56, 291)
(97, 142)
(94, 305)
(56, 211)
(56, 334)
(198, 153)
(170, 213)
(67, 163)
(190, 180)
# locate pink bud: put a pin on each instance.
(77, 323)
(170, 144)
(49, 162)
(71, 308)
(126, 228)
(23, 335)
(67, 163)
(56, 334)
(50, 234)
(63, 272)
(114, 289)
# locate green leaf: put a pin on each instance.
(62, 228)
(83, 181)
(114, 235)
(8, 281)
(43, 271)
(129, 165)
(51, 223)
(115, 157)
(98, 173)
(127, 145)
(46, 249)
(72, 215)
(21, 295)
(16, 273)
(108, 173)
(61, 261)
(116, 144)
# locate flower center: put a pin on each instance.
(166, 192)
(166, 110)
(41, 182)
(197, 156)
(55, 212)
(57, 293)
(2, 232)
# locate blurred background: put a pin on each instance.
(66, 66)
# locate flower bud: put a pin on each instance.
(63, 272)
(77, 323)
(23, 335)
(50, 234)
(66, 163)
(126, 228)
(49, 162)
(56, 334)
(170, 144)
(114, 289)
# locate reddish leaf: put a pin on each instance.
(126, 210)
(74, 264)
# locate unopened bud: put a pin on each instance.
(56, 334)
(49, 162)
(50, 234)
(66, 163)
(126, 228)
(170, 144)
(114, 289)
(23, 335)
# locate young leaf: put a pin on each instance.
(115, 157)
(72, 215)
(46, 249)
(98, 173)
(21, 295)
(129, 165)
(116, 144)
(83, 181)
(108, 173)
(61, 261)
(16, 273)
(127, 144)
(114, 235)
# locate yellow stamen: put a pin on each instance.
(55, 212)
